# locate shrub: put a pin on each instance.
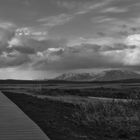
(110, 119)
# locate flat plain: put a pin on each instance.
(96, 111)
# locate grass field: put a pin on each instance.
(75, 114)
(121, 91)
(80, 111)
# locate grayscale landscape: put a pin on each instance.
(69, 70)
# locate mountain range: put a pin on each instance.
(108, 75)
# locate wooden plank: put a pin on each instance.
(15, 125)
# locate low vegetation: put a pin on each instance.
(84, 121)
(110, 120)
(119, 93)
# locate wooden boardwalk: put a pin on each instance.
(15, 125)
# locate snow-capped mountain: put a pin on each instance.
(108, 75)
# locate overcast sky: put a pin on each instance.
(43, 38)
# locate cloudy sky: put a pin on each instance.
(43, 38)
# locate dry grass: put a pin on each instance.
(117, 120)
(87, 120)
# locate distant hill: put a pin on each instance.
(115, 76)
(76, 76)
(108, 75)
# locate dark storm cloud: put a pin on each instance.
(87, 56)
(18, 50)
(79, 57)
(101, 34)
(45, 44)
(99, 48)
(13, 61)
(126, 30)
(75, 61)
(54, 54)
(117, 47)
(24, 50)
